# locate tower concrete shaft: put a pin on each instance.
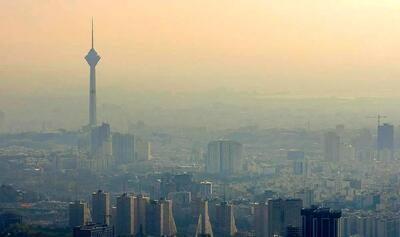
(92, 58)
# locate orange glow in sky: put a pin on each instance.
(183, 45)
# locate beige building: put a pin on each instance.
(204, 227)
(140, 213)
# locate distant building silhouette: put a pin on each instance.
(100, 138)
(101, 147)
(224, 157)
(385, 140)
(123, 148)
(142, 150)
(331, 146)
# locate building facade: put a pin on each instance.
(224, 157)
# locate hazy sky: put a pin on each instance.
(306, 46)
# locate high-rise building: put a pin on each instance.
(100, 140)
(140, 213)
(292, 213)
(363, 145)
(142, 150)
(93, 230)
(154, 218)
(169, 227)
(204, 228)
(225, 222)
(125, 223)
(101, 146)
(206, 190)
(367, 223)
(261, 219)
(331, 146)
(276, 217)
(283, 213)
(79, 213)
(224, 157)
(101, 208)
(159, 219)
(92, 58)
(385, 140)
(123, 148)
(320, 222)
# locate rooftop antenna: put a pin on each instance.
(92, 35)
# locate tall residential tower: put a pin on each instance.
(92, 59)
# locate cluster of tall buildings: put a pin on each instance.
(133, 215)
(107, 149)
(274, 217)
(383, 146)
(288, 218)
(197, 210)
(225, 225)
(369, 224)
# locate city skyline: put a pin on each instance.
(226, 118)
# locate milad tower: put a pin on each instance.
(92, 59)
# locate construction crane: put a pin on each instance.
(378, 117)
